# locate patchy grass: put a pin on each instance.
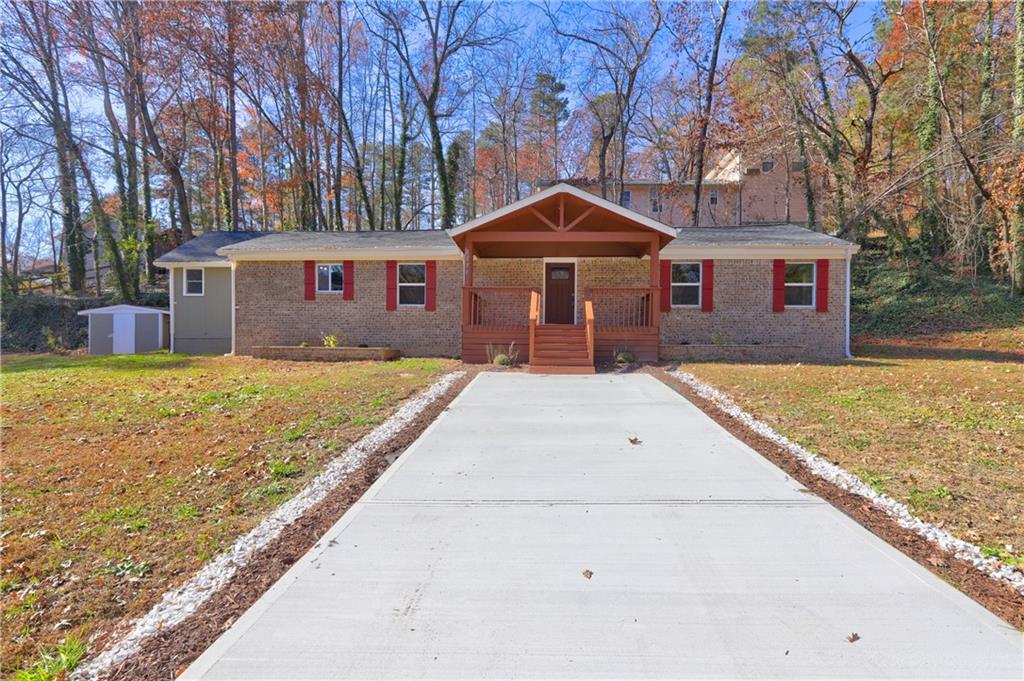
(939, 426)
(122, 475)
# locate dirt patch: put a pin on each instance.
(169, 653)
(996, 596)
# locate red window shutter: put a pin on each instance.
(349, 292)
(778, 285)
(821, 295)
(310, 268)
(431, 300)
(707, 286)
(666, 285)
(392, 283)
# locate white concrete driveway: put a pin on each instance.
(466, 560)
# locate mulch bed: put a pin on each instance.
(994, 595)
(168, 654)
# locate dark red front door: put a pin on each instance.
(559, 290)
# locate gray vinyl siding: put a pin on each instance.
(101, 334)
(202, 324)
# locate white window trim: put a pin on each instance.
(330, 264)
(813, 284)
(399, 285)
(699, 284)
(184, 281)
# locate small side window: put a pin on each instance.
(713, 197)
(194, 282)
(767, 166)
(655, 201)
(330, 278)
(626, 198)
(800, 281)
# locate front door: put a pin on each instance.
(559, 293)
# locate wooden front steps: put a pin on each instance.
(561, 349)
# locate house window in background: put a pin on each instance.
(767, 166)
(713, 197)
(625, 201)
(655, 201)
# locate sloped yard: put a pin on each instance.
(936, 422)
(122, 475)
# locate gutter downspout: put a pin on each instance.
(170, 295)
(849, 292)
(232, 307)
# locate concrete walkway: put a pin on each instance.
(467, 558)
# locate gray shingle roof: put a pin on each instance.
(433, 239)
(204, 247)
(754, 235)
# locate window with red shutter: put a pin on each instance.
(707, 284)
(392, 285)
(778, 285)
(430, 304)
(309, 267)
(349, 291)
(821, 283)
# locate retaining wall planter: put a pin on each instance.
(324, 354)
(738, 353)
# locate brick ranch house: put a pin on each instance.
(564, 275)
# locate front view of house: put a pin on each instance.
(566, 278)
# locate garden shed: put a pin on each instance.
(127, 329)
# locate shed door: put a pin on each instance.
(124, 334)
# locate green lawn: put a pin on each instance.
(122, 475)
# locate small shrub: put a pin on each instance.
(54, 663)
(303, 344)
(502, 360)
(330, 341)
(511, 354)
(624, 357)
(283, 469)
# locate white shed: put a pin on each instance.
(127, 329)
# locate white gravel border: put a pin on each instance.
(846, 480)
(179, 603)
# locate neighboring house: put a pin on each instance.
(566, 276)
(736, 191)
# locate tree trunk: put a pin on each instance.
(705, 116)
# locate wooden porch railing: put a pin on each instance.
(619, 307)
(588, 319)
(501, 306)
(534, 317)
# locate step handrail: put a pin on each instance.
(534, 316)
(588, 317)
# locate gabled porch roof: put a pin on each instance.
(562, 221)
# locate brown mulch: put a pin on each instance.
(168, 654)
(998, 597)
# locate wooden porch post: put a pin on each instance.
(467, 268)
(655, 283)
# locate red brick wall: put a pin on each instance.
(270, 310)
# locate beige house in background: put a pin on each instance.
(738, 190)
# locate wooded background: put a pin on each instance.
(130, 126)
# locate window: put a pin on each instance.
(796, 166)
(767, 166)
(655, 201)
(799, 284)
(626, 197)
(194, 282)
(713, 197)
(330, 278)
(412, 284)
(685, 284)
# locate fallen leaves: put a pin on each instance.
(588, 573)
(853, 638)
(634, 440)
